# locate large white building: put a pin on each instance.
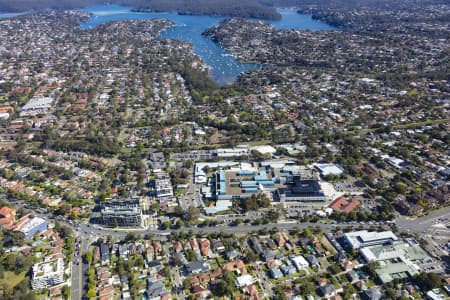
(232, 152)
(329, 169)
(37, 106)
(364, 238)
(29, 226)
(396, 260)
(48, 273)
(162, 188)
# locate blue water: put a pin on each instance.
(9, 15)
(188, 28)
(293, 20)
(224, 67)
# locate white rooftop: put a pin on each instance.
(264, 149)
(244, 280)
(299, 262)
(358, 239)
(329, 169)
(36, 221)
(48, 267)
(36, 103)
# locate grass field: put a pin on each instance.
(12, 279)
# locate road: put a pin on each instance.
(433, 223)
(77, 275)
(425, 225)
(429, 225)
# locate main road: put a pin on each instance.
(435, 223)
(422, 225)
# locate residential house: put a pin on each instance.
(104, 252)
(328, 290)
(196, 267)
(313, 261)
(299, 262)
(371, 294)
(276, 273)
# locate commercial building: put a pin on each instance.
(29, 226)
(364, 238)
(157, 161)
(161, 188)
(104, 252)
(48, 273)
(199, 169)
(301, 190)
(232, 152)
(343, 204)
(397, 260)
(121, 213)
(37, 106)
(194, 155)
(329, 169)
(241, 183)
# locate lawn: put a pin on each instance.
(12, 279)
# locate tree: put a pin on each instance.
(66, 292)
(372, 267)
(226, 286)
(349, 290)
(165, 225)
(307, 232)
(131, 237)
(428, 281)
(280, 292)
(308, 288)
(89, 257)
(70, 196)
(250, 256)
(91, 293)
(192, 214)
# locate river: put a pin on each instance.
(189, 28)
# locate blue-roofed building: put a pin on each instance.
(33, 225)
(262, 176)
(245, 173)
(249, 184)
(266, 183)
(222, 188)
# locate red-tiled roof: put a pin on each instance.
(343, 204)
(5, 211)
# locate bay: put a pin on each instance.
(224, 67)
(189, 28)
(9, 15)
